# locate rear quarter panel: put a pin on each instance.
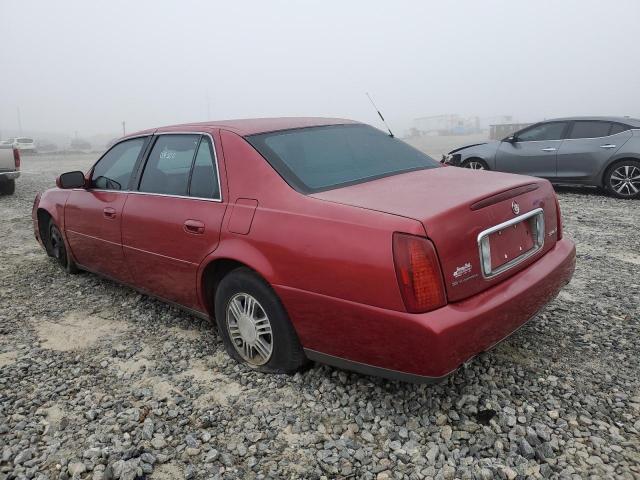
(630, 149)
(308, 244)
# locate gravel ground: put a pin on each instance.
(98, 381)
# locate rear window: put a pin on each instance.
(322, 158)
(25, 140)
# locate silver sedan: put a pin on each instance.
(598, 151)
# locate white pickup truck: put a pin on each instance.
(9, 168)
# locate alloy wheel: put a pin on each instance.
(625, 180)
(474, 165)
(249, 329)
(57, 245)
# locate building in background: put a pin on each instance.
(454, 124)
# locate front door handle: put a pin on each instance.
(109, 212)
(549, 149)
(195, 227)
(608, 145)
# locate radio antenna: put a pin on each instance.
(380, 115)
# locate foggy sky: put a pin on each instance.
(85, 66)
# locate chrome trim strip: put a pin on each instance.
(173, 259)
(135, 192)
(68, 230)
(484, 249)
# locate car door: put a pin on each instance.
(93, 216)
(588, 147)
(532, 151)
(173, 219)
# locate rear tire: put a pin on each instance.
(8, 187)
(58, 249)
(622, 179)
(254, 326)
(475, 164)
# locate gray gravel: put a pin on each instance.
(98, 381)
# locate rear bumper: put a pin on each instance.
(425, 347)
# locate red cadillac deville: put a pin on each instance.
(315, 239)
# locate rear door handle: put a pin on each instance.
(109, 212)
(549, 149)
(608, 145)
(195, 227)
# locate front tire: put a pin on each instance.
(58, 249)
(254, 326)
(622, 179)
(475, 164)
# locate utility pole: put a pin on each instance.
(19, 121)
(123, 129)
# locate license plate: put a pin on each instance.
(505, 245)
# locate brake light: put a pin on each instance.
(418, 273)
(16, 158)
(559, 218)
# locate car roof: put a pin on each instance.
(253, 126)
(634, 122)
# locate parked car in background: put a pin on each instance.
(597, 151)
(25, 144)
(46, 146)
(79, 145)
(312, 238)
(9, 168)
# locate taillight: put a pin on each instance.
(16, 158)
(418, 273)
(559, 218)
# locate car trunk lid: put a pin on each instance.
(486, 226)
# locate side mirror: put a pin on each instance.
(71, 180)
(511, 138)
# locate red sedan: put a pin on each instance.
(315, 239)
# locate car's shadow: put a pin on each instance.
(586, 190)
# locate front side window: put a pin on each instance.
(321, 158)
(590, 129)
(545, 131)
(169, 163)
(113, 170)
(204, 179)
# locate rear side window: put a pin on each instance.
(618, 127)
(169, 163)
(545, 131)
(113, 170)
(589, 129)
(204, 179)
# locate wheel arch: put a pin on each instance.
(218, 264)
(44, 217)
